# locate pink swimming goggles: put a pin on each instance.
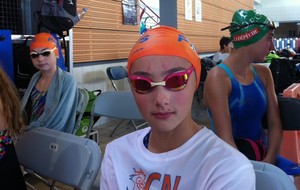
(174, 81)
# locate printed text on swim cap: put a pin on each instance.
(246, 36)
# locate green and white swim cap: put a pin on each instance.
(248, 27)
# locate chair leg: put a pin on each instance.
(41, 179)
(52, 185)
(114, 130)
(29, 186)
(131, 122)
(137, 126)
(94, 136)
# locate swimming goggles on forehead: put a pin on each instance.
(44, 53)
(237, 27)
(174, 81)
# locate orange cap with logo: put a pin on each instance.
(168, 41)
(44, 40)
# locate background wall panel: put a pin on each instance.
(101, 35)
(216, 14)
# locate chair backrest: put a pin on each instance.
(83, 100)
(269, 176)
(289, 111)
(116, 73)
(63, 157)
(115, 104)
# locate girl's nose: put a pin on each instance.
(161, 96)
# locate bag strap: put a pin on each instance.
(65, 63)
(66, 52)
(97, 92)
(37, 18)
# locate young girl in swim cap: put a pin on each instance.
(174, 152)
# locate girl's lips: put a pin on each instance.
(42, 65)
(162, 115)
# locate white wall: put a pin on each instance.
(280, 10)
(276, 3)
(94, 77)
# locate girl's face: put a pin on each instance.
(43, 61)
(162, 108)
(263, 47)
(228, 48)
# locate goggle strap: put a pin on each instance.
(237, 27)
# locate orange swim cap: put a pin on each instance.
(167, 41)
(44, 40)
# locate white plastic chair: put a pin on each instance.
(62, 157)
(269, 176)
(83, 100)
(116, 104)
(116, 73)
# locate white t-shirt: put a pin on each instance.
(204, 162)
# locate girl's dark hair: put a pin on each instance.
(10, 106)
(224, 41)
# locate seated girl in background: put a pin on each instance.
(51, 97)
(239, 93)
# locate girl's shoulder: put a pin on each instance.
(262, 70)
(219, 72)
(260, 67)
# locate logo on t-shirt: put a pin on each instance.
(143, 182)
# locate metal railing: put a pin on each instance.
(153, 16)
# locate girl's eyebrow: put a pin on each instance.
(175, 69)
(172, 70)
(141, 73)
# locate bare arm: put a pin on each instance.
(216, 93)
(274, 121)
